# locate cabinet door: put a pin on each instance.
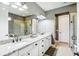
(49, 40)
(46, 44)
(33, 52)
(14, 53)
(23, 51)
(41, 48)
(41, 51)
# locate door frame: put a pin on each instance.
(56, 24)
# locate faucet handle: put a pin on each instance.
(20, 39)
(13, 41)
(6, 35)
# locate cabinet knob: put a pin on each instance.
(42, 40)
(13, 41)
(13, 51)
(42, 45)
(36, 44)
(42, 52)
(28, 53)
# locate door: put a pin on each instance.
(63, 26)
(33, 52)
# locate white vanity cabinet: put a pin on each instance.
(37, 48)
(41, 47)
(30, 50)
(14, 53)
(23, 51)
(34, 50)
(47, 42)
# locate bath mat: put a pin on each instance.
(51, 51)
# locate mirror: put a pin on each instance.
(19, 25)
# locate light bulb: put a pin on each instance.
(9, 18)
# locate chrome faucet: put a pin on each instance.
(15, 37)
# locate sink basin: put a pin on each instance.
(26, 40)
(33, 36)
(9, 47)
(19, 44)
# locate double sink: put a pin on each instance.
(21, 43)
(10, 47)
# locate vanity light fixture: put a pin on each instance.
(41, 17)
(14, 6)
(6, 3)
(9, 18)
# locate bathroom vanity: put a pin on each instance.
(27, 46)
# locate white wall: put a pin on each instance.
(34, 26)
(3, 23)
(78, 27)
(46, 26)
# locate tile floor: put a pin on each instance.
(63, 49)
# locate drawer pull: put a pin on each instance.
(42, 45)
(28, 53)
(13, 51)
(36, 44)
(42, 40)
(42, 52)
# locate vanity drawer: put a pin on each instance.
(33, 52)
(23, 51)
(41, 51)
(42, 41)
(36, 44)
(41, 48)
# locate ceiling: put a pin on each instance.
(15, 10)
(29, 11)
(52, 5)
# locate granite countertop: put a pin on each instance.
(10, 47)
